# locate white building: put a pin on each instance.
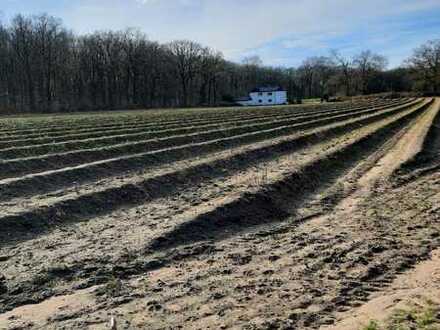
(264, 96)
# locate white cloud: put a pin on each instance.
(239, 26)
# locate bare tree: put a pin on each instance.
(46, 67)
(186, 57)
(306, 72)
(425, 63)
(315, 73)
(367, 65)
(5, 71)
(22, 44)
(253, 60)
(211, 66)
(345, 65)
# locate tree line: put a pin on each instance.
(46, 67)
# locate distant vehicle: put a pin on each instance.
(264, 96)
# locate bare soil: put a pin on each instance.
(417, 287)
(331, 234)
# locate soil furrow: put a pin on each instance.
(278, 227)
(97, 131)
(120, 137)
(44, 182)
(381, 132)
(427, 156)
(160, 118)
(23, 166)
(157, 187)
(280, 199)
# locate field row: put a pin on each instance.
(21, 137)
(165, 170)
(183, 197)
(105, 120)
(135, 133)
(101, 162)
(148, 141)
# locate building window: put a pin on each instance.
(260, 101)
(270, 100)
(270, 94)
(260, 94)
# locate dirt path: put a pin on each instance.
(405, 149)
(37, 316)
(419, 285)
(408, 145)
(423, 282)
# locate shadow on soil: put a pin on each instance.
(278, 201)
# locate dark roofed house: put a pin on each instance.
(266, 95)
(267, 89)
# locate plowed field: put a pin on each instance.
(250, 218)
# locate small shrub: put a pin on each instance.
(373, 325)
(113, 288)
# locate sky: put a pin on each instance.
(281, 32)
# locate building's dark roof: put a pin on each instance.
(267, 89)
(244, 98)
